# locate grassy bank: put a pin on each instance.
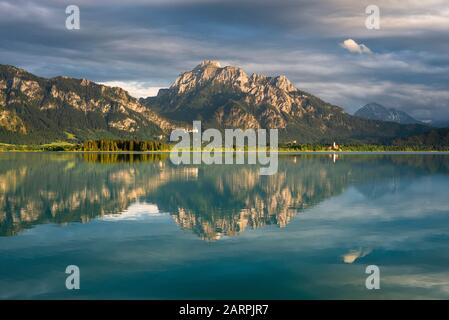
(55, 146)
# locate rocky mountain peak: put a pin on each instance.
(209, 63)
(227, 95)
(283, 83)
(210, 72)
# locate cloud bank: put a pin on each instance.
(143, 45)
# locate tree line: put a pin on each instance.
(124, 145)
(398, 145)
(123, 157)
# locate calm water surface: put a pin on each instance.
(141, 227)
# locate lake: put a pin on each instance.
(140, 227)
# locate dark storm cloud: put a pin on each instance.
(148, 43)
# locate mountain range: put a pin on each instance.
(37, 110)
(227, 97)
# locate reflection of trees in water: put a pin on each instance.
(123, 157)
(212, 201)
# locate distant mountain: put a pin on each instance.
(375, 111)
(36, 110)
(226, 97)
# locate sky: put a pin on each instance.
(323, 46)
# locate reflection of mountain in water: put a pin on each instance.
(61, 188)
(226, 200)
(212, 201)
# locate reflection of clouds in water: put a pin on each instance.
(436, 283)
(136, 211)
(394, 222)
(353, 255)
(396, 282)
(426, 196)
(27, 289)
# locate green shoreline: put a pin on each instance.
(297, 149)
(286, 152)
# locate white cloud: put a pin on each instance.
(135, 88)
(354, 47)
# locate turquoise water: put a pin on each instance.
(141, 227)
